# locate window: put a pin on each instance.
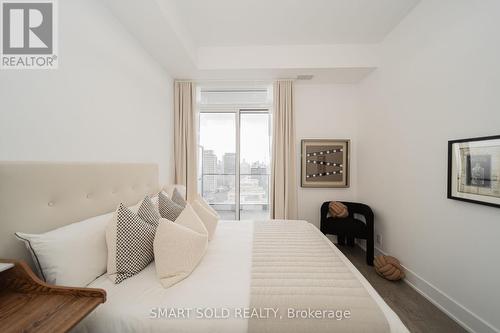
(234, 152)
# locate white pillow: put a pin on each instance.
(207, 205)
(73, 255)
(206, 216)
(178, 249)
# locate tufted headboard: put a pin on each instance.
(36, 197)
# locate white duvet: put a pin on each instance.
(214, 298)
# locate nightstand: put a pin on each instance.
(28, 304)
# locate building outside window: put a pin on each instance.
(234, 149)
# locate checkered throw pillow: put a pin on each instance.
(130, 244)
(148, 212)
(168, 208)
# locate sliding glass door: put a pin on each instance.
(234, 151)
(217, 151)
(255, 165)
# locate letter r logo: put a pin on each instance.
(27, 28)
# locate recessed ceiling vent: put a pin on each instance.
(305, 77)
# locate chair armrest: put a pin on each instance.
(362, 209)
(324, 213)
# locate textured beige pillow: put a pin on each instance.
(209, 220)
(191, 220)
(205, 204)
(178, 249)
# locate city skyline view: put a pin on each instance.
(219, 180)
(218, 131)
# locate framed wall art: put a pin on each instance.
(325, 163)
(474, 170)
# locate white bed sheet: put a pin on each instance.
(221, 281)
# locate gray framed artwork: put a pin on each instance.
(474, 170)
(325, 163)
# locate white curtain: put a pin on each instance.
(185, 147)
(283, 166)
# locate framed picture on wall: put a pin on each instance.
(474, 170)
(325, 163)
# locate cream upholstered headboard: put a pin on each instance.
(36, 197)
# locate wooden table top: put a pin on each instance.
(28, 304)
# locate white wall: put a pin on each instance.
(439, 79)
(325, 112)
(108, 101)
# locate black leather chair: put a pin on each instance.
(349, 228)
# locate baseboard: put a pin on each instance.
(456, 311)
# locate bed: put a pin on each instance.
(257, 276)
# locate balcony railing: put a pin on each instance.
(220, 188)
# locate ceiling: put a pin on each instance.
(289, 22)
(337, 41)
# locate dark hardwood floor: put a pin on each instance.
(417, 313)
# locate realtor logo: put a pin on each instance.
(28, 34)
